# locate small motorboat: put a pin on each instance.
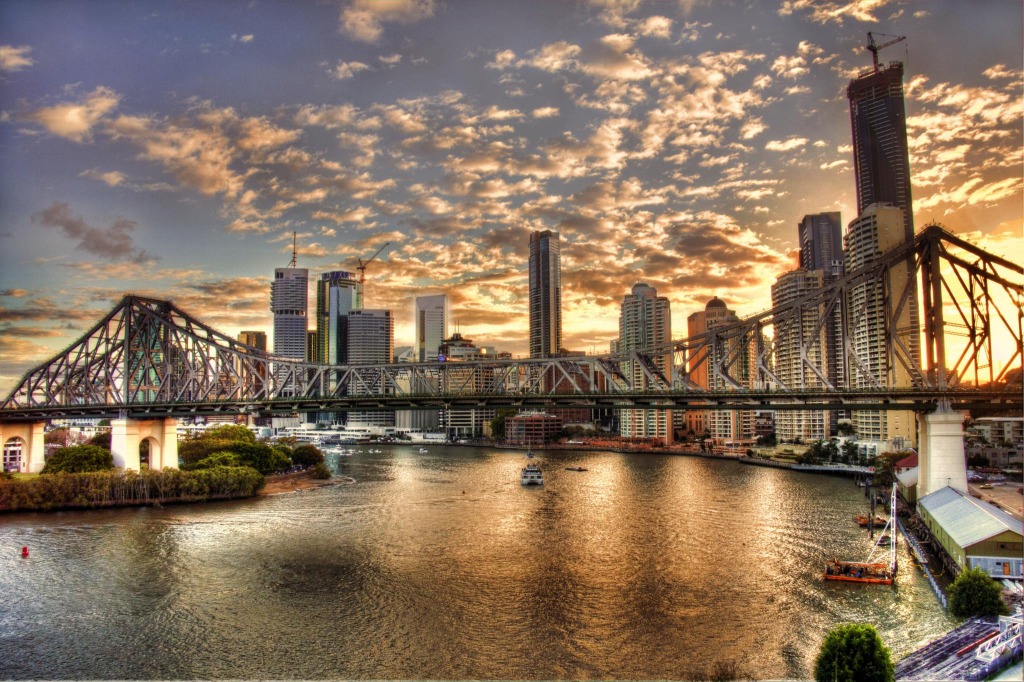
(862, 520)
(423, 451)
(575, 469)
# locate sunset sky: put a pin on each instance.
(171, 148)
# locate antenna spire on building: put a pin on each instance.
(294, 251)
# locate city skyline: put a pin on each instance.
(666, 142)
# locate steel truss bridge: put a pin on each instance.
(147, 358)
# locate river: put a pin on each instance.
(442, 566)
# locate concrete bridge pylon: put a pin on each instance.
(127, 435)
(941, 458)
(23, 446)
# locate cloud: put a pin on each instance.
(545, 112)
(112, 178)
(390, 60)
(200, 153)
(14, 293)
(363, 20)
(75, 121)
(554, 56)
(828, 11)
(348, 69)
(658, 26)
(787, 145)
(502, 60)
(15, 58)
(112, 243)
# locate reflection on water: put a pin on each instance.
(442, 566)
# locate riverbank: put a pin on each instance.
(289, 483)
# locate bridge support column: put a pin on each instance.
(127, 435)
(25, 442)
(941, 458)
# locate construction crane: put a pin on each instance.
(875, 48)
(362, 273)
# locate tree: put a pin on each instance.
(232, 432)
(846, 429)
(854, 652)
(79, 459)
(307, 455)
(851, 453)
(767, 440)
(975, 593)
(61, 436)
(498, 423)
(101, 439)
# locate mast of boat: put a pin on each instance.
(893, 532)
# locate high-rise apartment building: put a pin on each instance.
(821, 243)
(545, 295)
(645, 322)
(877, 230)
(723, 425)
(288, 301)
(431, 325)
(370, 340)
(882, 173)
(715, 314)
(335, 298)
(881, 162)
(821, 248)
(461, 422)
(257, 340)
(800, 342)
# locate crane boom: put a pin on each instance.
(363, 264)
(874, 48)
(362, 274)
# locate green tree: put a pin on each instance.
(853, 652)
(498, 423)
(974, 593)
(307, 455)
(78, 459)
(217, 459)
(235, 433)
(851, 453)
(101, 439)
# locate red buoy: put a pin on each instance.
(24, 552)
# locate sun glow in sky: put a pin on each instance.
(170, 149)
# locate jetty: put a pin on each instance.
(976, 650)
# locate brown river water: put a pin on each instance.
(442, 566)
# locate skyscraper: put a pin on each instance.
(545, 295)
(882, 172)
(645, 321)
(869, 307)
(370, 340)
(431, 325)
(821, 249)
(881, 163)
(821, 243)
(800, 341)
(723, 425)
(288, 301)
(257, 340)
(335, 298)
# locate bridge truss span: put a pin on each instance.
(149, 357)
